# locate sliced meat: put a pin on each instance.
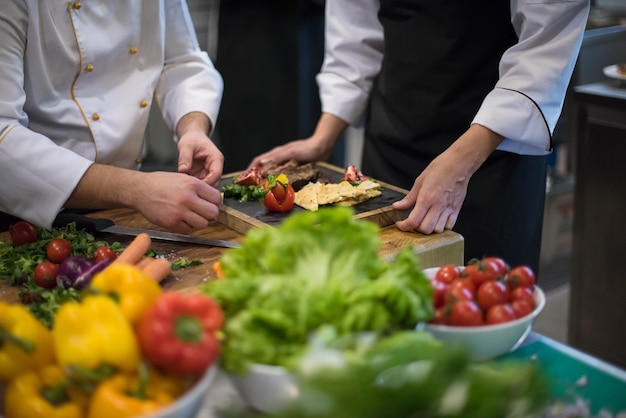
(301, 175)
(277, 168)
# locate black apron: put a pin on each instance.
(441, 60)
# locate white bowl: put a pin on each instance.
(188, 405)
(488, 341)
(266, 388)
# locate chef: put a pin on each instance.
(460, 99)
(77, 80)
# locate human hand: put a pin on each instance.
(176, 201)
(301, 150)
(199, 157)
(439, 191)
(436, 197)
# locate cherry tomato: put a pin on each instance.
(479, 272)
(499, 314)
(441, 316)
(103, 253)
(465, 282)
(521, 308)
(280, 198)
(58, 250)
(491, 293)
(466, 313)
(22, 233)
(521, 276)
(45, 274)
(447, 273)
(439, 289)
(522, 293)
(498, 265)
(456, 293)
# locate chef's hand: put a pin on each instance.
(177, 201)
(198, 156)
(439, 191)
(318, 147)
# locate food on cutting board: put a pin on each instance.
(621, 68)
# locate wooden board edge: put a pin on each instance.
(237, 220)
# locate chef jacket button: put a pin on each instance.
(77, 5)
(95, 116)
(133, 50)
(143, 103)
(89, 68)
(137, 160)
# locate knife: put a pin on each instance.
(107, 225)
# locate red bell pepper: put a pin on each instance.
(178, 333)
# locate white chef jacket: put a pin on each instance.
(77, 79)
(526, 102)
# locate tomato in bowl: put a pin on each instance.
(485, 339)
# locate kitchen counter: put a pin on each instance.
(433, 250)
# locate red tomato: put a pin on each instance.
(498, 265)
(522, 293)
(521, 308)
(479, 272)
(465, 282)
(491, 293)
(58, 250)
(102, 253)
(441, 316)
(280, 198)
(439, 289)
(45, 274)
(457, 293)
(466, 313)
(447, 273)
(499, 314)
(521, 276)
(22, 233)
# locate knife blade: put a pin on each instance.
(107, 225)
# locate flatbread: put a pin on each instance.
(314, 195)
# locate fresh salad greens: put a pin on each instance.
(410, 374)
(317, 268)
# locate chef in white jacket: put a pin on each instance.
(459, 100)
(77, 80)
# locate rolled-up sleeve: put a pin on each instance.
(189, 81)
(353, 54)
(526, 103)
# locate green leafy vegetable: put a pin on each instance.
(317, 268)
(244, 193)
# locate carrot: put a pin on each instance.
(158, 269)
(217, 269)
(143, 262)
(137, 248)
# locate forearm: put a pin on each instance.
(328, 131)
(472, 148)
(194, 122)
(104, 186)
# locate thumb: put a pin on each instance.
(185, 156)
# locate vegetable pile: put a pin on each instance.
(485, 292)
(125, 349)
(316, 268)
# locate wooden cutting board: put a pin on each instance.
(243, 216)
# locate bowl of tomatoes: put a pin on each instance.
(485, 306)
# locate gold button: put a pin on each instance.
(95, 116)
(89, 68)
(137, 160)
(76, 5)
(133, 50)
(143, 103)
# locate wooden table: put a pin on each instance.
(433, 250)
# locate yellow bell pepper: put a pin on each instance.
(44, 394)
(25, 343)
(95, 333)
(130, 395)
(134, 289)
